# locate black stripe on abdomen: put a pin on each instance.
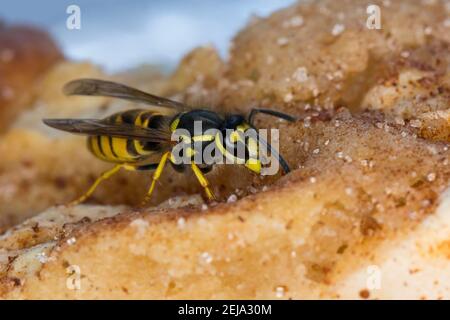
(131, 149)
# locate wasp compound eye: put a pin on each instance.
(233, 121)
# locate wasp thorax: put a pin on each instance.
(231, 122)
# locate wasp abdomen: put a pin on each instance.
(115, 149)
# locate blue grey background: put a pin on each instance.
(120, 34)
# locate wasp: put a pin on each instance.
(130, 138)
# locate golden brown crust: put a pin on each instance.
(330, 58)
(367, 198)
(25, 53)
(213, 253)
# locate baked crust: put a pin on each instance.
(364, 214)
(25, 53)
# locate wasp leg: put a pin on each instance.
(270, 112)
(156, 176)
(203, 181)
(105, 175)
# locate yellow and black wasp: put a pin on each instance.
(130, 138)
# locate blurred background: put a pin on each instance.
(119, 34)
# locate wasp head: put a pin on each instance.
(239, 132)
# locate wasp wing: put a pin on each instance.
(96, 127)
(96, 87)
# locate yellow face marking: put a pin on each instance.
(254, 165)
(224, 151)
